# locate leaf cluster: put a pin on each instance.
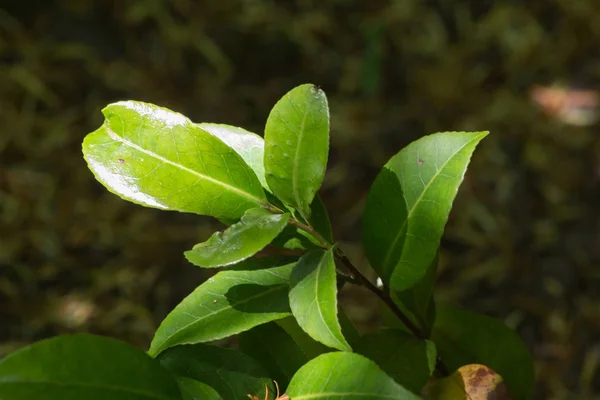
(284, 309)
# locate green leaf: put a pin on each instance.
(228, 303)
(257, 228)
(310, 347)
(232, 374)
(83, 366)
(158, 158)
(409, 203)
(464, 338)
(410, 361)
(297, 146)
(313, 298)
(248, 145)
(319, 219)
(271, 345)
(419, 300)
(191, 389)
(343, 375)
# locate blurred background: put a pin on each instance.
(523, 241)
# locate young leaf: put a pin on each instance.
(410, 361)
(232, 374)
(465, 338)
(277, 352)
(228, 303)
(409, 203)
(84, 367)
(313, 298)
(297, 146)
(343, 375)
(191, 389)
(248, 145)
(158, 158)
(257, 228)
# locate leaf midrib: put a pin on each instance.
(113, 135)
(229, 306)
(418, 201)
(86, 385)
(319, 303)
(296, 156)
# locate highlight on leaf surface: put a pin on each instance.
(158, 158)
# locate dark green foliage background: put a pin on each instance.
(522, 243)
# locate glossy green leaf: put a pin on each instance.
(158, 158)
(232, 374)
(74, 367)
(464, 338)
(257, 228)
(250, 146)
(297, 146)
(313, 298)
(344, 375)
(228, 303)
(410, 361)
(191, 389)
(409, 203)
(274, 348)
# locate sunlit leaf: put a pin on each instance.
(409, 203)
(313, 298)
(228, 303)
(158, 158)
(297, 146)
(83, 366)
(464, 338)
(257, 228)
(344, 375)
(232, 374)
(248, 145)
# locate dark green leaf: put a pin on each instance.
(319, 219)
(409, 202)
(271, 345)
(248, 145)
(410, 361)
(313, 298)
(74, 367)
(465, 338)
(158, 158)
(193, 390)
(232, 374)
(257, 228)
(343, 375)
(310, 347)
(297, 146)
(228, 303)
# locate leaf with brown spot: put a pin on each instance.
(469, 382)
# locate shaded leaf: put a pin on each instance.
(470, 382)
(192, 389)
(275, 349)
(465, 338)
(83, 366)
(228, 303)
(313, 298)
(410, 361)
(232, 374)
(344, 375)
(319, 219)
(158, 158)
(297, 146)
(310, 347)
(250, 146)
(409, 202)
(257, 228)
